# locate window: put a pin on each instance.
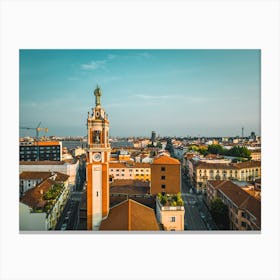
(97, 194)
(243, 224)
(162, 177)
(122, 174)
(163, 187)
(172, 219)
(243, 214)
(162, 168)
(122, 170)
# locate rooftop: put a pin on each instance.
(163, 159)
(33, 175)
(239, 197)
(241, 165)
(130, 215)
(170, 200)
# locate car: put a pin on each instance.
(202, 215)
(63, 227)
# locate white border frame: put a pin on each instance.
(124, 24)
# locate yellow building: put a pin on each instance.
(134, 171)
(244, 171)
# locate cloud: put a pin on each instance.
(93, 65)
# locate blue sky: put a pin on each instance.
(174, 92)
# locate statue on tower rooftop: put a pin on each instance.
(97, 93)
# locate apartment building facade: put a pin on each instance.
(40, 150)
(130, 171)
(244, 171)
(244, 209)
(165, 175)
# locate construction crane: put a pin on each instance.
(38, 129)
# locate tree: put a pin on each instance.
(215, 149)
(219, 212)
(238, 151)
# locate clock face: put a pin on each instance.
(96, 156)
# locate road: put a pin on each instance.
(197, 215)
(69, 218)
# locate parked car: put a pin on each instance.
(63, 227)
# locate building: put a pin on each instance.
(66, 167)
(29, 180)
(256, 154)
(153, 137)
(170, 212)
(40, 150)
(97, 169)
(130, 170)
(40, 207)
(165, 175)
(244, 209)
(243, 171)
(130, 215)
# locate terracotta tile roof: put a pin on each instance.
(248, 164)
(239, 197)
(241, 165)
(129, 190)
(29, 175)
(129, 182)
(33, 175)
(34, 197)
(42, 162)
(149, 201)
(61, 177)
(215, 183)
(165, 160)
(130, 215)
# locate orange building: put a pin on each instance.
(98, 156)
(165, 175)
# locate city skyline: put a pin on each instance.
(173, 92)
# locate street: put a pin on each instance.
(69, 218)
(197, 215)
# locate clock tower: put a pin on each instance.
(97, 171)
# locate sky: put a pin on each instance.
(173, 92)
